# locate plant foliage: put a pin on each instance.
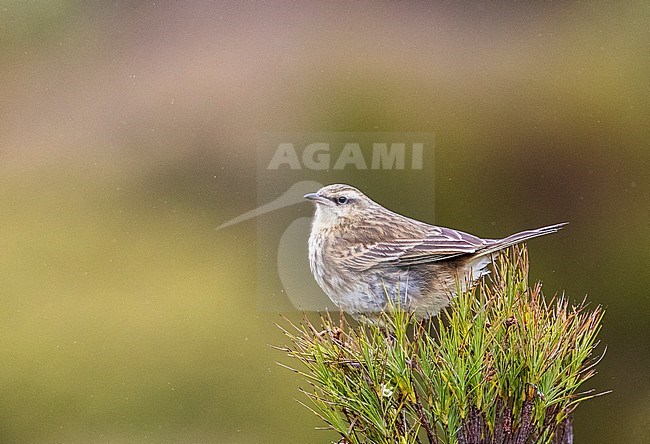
(500, 365)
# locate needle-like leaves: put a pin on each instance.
(500, 365)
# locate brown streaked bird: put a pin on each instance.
(361, 254)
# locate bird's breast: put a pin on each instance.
(326, 264)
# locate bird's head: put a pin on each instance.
(337, 202)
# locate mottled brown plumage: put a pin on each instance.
(361, 254)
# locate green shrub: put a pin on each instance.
(500, 365)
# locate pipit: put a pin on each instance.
(362, 254)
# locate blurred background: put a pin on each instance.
(128, 134)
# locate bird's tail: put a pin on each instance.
(522, 236)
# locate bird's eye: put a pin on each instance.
(341, 200)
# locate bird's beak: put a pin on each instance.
(317, 198)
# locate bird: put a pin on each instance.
(364, 256)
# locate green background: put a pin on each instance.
(128, 134)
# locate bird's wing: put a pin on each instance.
(437, 244)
